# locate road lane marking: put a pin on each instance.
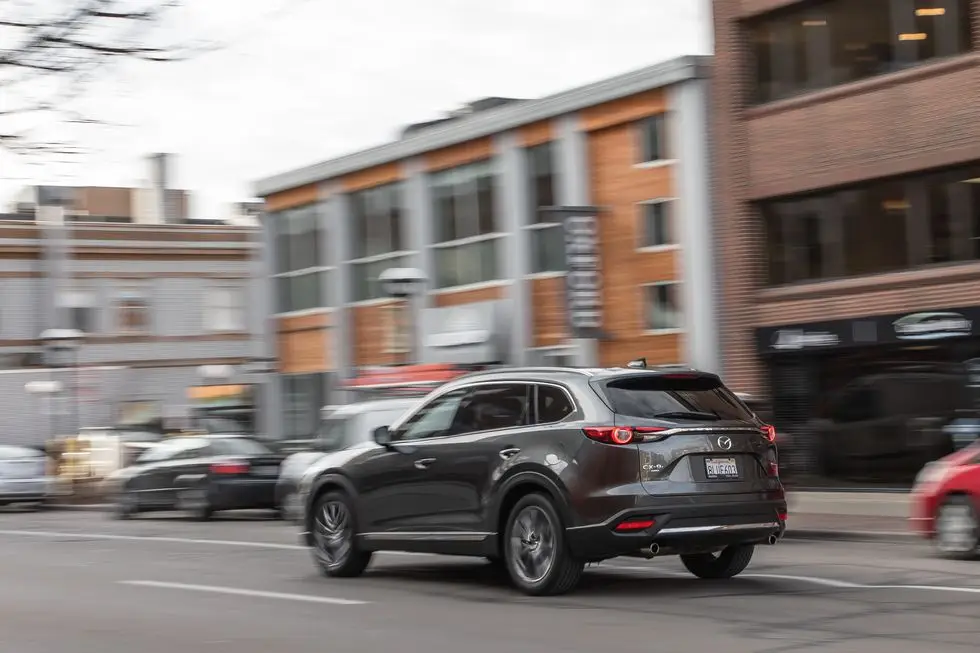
(237, 591)
(813, 580)
(156, 538)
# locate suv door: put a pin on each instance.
(392, 496)
(488, 431)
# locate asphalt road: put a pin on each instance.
(81, 582)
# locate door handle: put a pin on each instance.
(423, 463)
(509, 453)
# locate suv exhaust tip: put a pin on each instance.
(654, 549)
(773, 539)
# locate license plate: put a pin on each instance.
(721, 468)
(267, 470)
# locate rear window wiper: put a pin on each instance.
(684, 414)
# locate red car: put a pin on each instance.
(946, 503)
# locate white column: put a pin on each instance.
(693, 217)
(512, 215)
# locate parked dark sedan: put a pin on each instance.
(198, 475)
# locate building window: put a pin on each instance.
(884, 226)
(133, 312)
(377, 238)
(80, 310)
(656, 224)
(302, 268)
(652, 133)
(224, 311)
(839, 41)
(303, 397)
(545, 233)
(465, 225)
(661, 306)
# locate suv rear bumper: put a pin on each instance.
(682, 528)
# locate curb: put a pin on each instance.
(849, 536)
(91, 507)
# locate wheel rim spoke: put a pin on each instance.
(332, 529)
(533, 544)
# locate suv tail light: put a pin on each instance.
(226, 469)
(769, 431)
(620, 434)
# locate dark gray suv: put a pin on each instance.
(543, 470)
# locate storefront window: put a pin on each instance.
(822, 44)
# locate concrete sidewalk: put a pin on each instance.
(849, 515)
(812, 515)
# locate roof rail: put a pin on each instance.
(532, 369)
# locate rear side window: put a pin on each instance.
(649, 396)
(553, 404)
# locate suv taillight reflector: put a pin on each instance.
(635, 525)
(229, 468)
(770, 432)
(620, 434)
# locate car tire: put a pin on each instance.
(536, 553)
(334, 529)
(194, 502)
(727, 563)
(125, 505)
(957, 529)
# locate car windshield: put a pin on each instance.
(333, 433)
(674, 397)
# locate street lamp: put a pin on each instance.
(63, 346)
(42, 390)
(403, 284)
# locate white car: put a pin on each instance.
(24, 476)
(342, 428)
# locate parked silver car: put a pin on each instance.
(24, 477)
(342, 427)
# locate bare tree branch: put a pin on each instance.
(52, 51)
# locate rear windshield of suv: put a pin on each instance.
(649, 396)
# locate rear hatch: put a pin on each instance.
(693, 435)
(260, 460)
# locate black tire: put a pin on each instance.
(194, 502)
(335, 548)
(125, 505)
(535, 539)
(957, 529)
(729, 562)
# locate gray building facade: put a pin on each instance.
(162, 308)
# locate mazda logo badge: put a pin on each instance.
(725, 442)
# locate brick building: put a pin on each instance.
(847, 169)
(461, 199)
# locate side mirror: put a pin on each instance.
(382, 436)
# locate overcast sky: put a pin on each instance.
(301, 81)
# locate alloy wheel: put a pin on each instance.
(533, 544)
(333, 532)
(956, 529)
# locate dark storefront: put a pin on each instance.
(868, 401)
